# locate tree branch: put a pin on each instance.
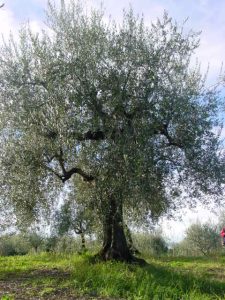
(163, 129)
(67, 174)
(92, 135)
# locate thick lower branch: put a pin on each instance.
(101, 135)
(68, 174)
(85, 176)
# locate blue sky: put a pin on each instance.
(203, 15)
(24, 9)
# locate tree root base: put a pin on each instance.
(114, 256)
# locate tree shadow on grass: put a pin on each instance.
(191, 259)
(185, 282)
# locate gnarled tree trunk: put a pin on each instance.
(114, 240)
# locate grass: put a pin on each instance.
(61, 276)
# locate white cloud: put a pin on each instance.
(36, 26)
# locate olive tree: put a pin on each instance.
(202, 237)
(75, 218)
(151, 243)
(115, 112)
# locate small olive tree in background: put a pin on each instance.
(113, 112)
(35, 239)
(76, 219)
(14, 244)
(202, 238)
(150, 243)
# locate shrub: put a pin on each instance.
(14, 245)
(150, 244)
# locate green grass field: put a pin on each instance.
(49, 276)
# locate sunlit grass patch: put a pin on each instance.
(7, 297)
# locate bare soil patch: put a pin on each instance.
(21, 286)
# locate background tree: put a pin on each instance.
(35, 239)
(221, 220)
(114, 111)
(14, 244)
(74, 218)
(203, 238)
(181, 249)
(150, 243)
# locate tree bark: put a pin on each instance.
(130, 243)
(114, 240)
